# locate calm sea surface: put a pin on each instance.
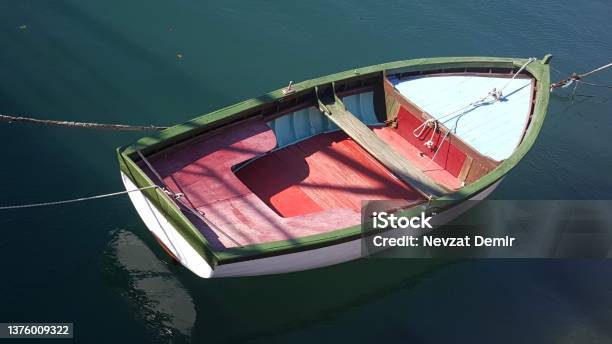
(162, 62)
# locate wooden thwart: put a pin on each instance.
(380, 150)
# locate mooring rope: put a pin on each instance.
(575, 77)
(83, 125)
(531, 59)
(592, 84)
(34, 205)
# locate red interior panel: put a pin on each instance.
(449, 157)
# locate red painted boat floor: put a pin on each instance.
(312, 187)
(326, 171)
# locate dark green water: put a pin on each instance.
(94, 264)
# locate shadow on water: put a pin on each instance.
(176, 306)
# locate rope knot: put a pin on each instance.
(418, 131)
(170, 193)
(496, 94)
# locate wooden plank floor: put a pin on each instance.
(381, 151)
(326, 171)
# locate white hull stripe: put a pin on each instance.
(298, 261)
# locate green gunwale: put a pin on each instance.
(539, 69)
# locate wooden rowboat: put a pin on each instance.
(275, 184)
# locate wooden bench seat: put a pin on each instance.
(380, 150)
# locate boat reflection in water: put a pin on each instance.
(152, 291)
(177, 306)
